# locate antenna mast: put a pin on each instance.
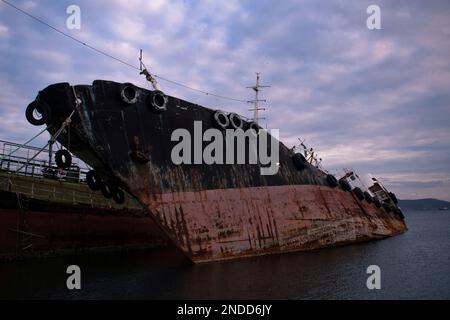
(255, 102)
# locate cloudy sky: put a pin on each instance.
(374, 100)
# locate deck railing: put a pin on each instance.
(35, 178)
(17, 158)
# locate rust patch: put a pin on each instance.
(137, 154)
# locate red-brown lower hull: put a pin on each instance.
(230, 223)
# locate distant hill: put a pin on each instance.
(423, 204)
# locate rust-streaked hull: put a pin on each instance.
(211, 212)
(228, 223)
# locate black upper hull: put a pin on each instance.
(107, 128)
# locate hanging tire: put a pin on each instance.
(129, 93)
(368, 197)
(159, 101)
(387, 207)
(221, 120)
(332, 181)
(93, 180)
(393, 197)
(376, 202)
(118, 195)
(63, 159)
(358, 193)
(300, 161)
(106, 190)
(41, 108)
(236, 121)
(345, 185)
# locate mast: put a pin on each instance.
(256, 108)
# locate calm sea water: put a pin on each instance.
(415, 265)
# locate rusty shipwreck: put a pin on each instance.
(210, 212)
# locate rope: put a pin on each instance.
(68, 35)
(198, 90)
(68, 137)
(52, 140)
(115, 58)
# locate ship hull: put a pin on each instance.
(222, 224)
(211, 212)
